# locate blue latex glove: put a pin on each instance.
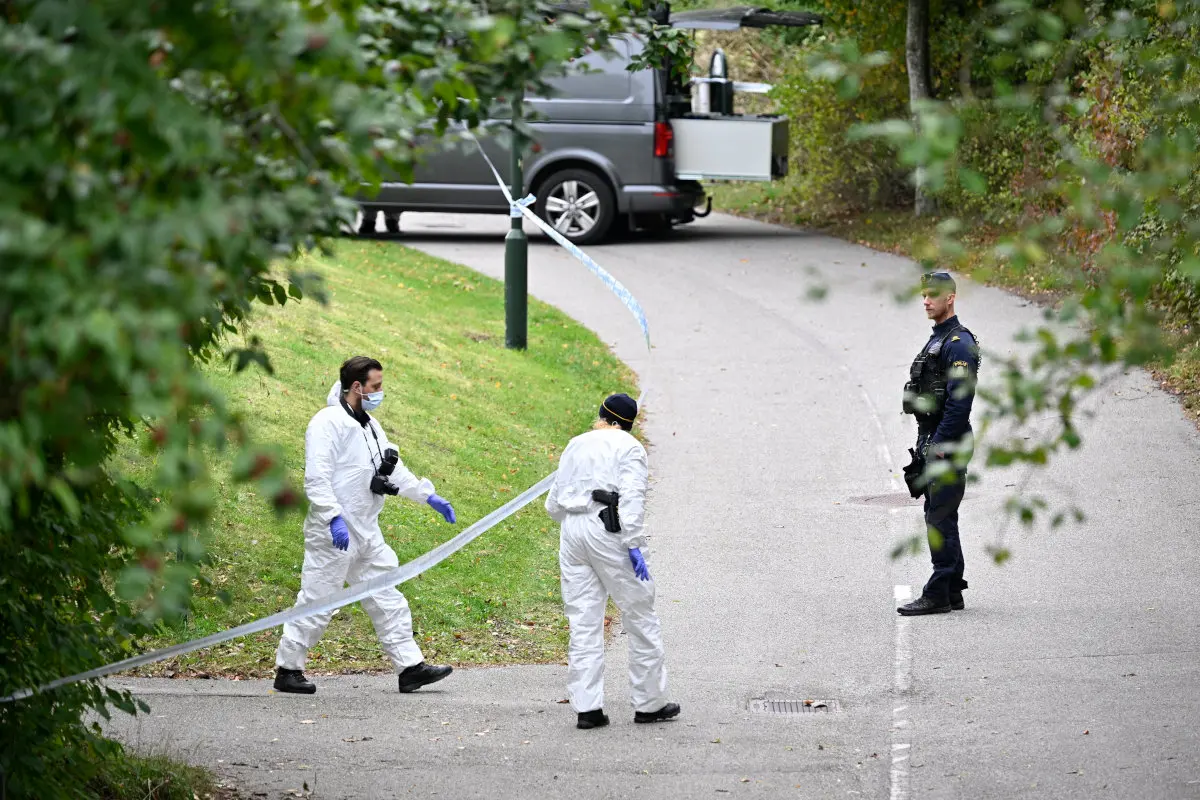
(639, 564)
(443, 507)
(340, 533)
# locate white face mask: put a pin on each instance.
(371, 401)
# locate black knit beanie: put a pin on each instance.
(619, 408)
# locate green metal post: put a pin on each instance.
(516, 253)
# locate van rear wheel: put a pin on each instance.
(578, 204)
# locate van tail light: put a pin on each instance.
(663, 140)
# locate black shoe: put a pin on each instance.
(592, 719)
(956, 601)
(666, 712)
(422, 674)
(366, 226)
(923, 605)
(293, 681)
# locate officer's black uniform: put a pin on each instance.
(940, 392)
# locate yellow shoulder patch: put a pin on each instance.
(956, 339)
(961, 364)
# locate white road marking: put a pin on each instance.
(901, 735)
(884, 452)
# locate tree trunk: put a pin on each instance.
(920, 84)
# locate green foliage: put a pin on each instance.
(833, 83)
(1068, 132)
(156, 160)
(667, 48)
(1004, 160)
(1084, 141)
(828, 174)
(126, 776)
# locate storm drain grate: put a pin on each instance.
(896, 500)
(784, 707)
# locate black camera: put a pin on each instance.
(379, 481)
(390, 457)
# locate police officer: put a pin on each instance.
(939, 394)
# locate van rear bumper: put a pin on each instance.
(677, 200)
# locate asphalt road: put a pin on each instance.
(777, 439)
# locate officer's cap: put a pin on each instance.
(940, 282)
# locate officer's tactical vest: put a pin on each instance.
(925, 392)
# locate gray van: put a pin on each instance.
(604, 149)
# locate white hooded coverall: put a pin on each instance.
(340, 456)
(595, 564)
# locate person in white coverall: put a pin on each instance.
(599, 558)
(349, 468)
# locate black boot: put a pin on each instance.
(292, 681)
(924, 605)
(366, 226)
(422, 674)
(666, 712)
(592, 719)
(956, 601)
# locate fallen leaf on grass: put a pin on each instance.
(358, 739)
(562, 702)
(1085, 733)
(745, 780)
(306, 722)
(716, 741)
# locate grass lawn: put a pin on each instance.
(131, 776)
(481, 421)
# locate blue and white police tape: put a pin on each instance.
(329, 602)
(418, 565)
(515, 210)
(519, 208)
